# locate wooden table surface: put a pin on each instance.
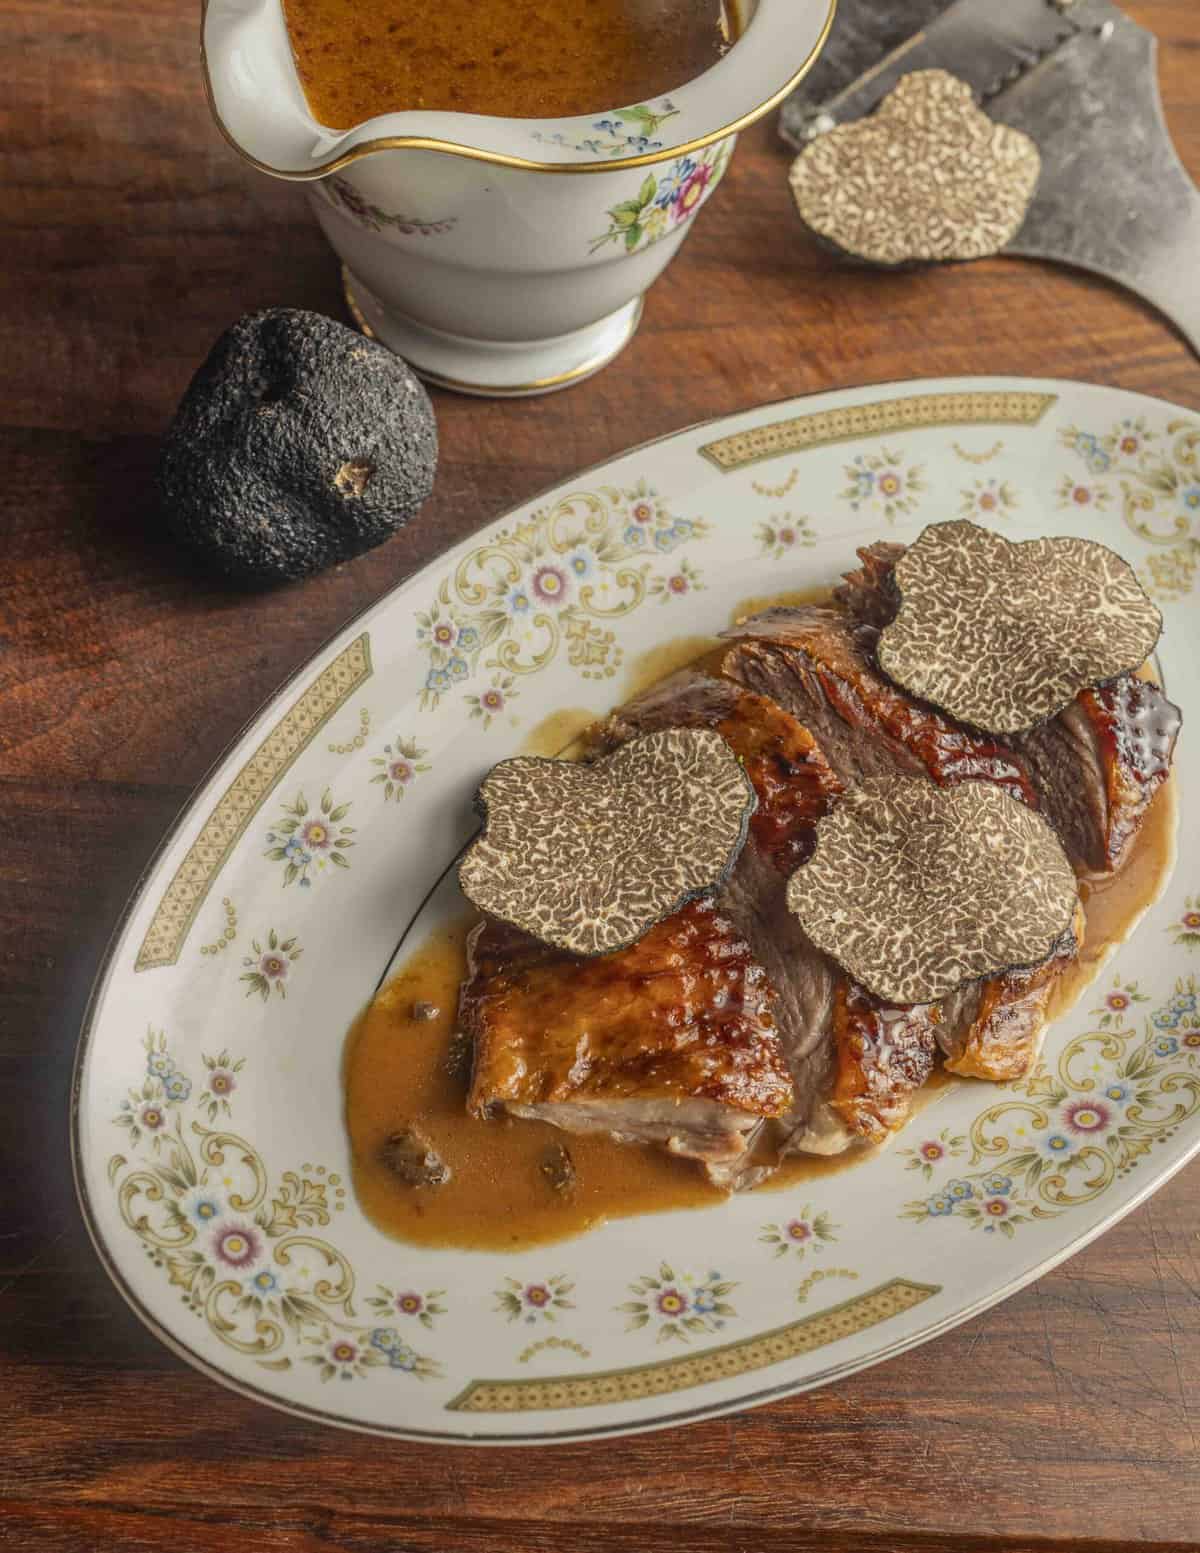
(131, 236)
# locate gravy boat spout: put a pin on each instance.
(503, 255)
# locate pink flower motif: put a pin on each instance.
(799, 1230)
(316, 837)
(492, 701)
(343, 1351)
(642, 511)
(221, 1081)
(444, 633)
(890, 483)
(1129, 444)
(1191, 921)
(1117, 1001)
(1085, 1116)
(1081, 495)
(931, 1151)
(537, 1295)
(996, 1208)
(273, 966)
(787, 536)
(409, 1304)
(237, 1245)
(692, 191)
(677, 584)
(401, 771)
(151, 1117)
(671, 1302)
(550, 584)
(987, 501)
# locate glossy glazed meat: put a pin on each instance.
(671, 1041)
(1095, 767)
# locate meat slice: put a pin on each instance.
(1095, 767)
(818, 663)
(670, 1041)
(993, 1029)
(850, 1079)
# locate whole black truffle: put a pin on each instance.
(298, 444)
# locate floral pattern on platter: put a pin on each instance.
(989, 499)
(1074, 492)
(1067, 1134)
(1117, 1002)
(534, 1302)
(664, 201)
(239, 1247)
(807, 1231)
(551, 582)
(929, 1154)
(303, 842)
(884, 484)
(784, 534)
(685, 580)
(402, 761)
(1185, 929)
(624, 132)
(489, 703)
(425, 1308)
(267, 969)
(343, 196)
(1159, 476)
(678, 1306)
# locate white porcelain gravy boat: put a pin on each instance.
(501, 255)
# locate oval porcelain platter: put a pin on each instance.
(211, 1155)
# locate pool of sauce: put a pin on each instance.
(524, 59)
(499, 1197)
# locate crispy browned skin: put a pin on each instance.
(838, 652)
(1135, 728)
(682, 1014)
(883, 1056)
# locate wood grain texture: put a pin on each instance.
(131, 236)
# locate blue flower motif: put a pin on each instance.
(517, 601)
(642, 143)
(263, 1283)
(609, 126)
(1118, 1092)
(634, 536)
(579, 562)
(705, 1301)
(959, 1190)
(203, 1206)
(402, 1358)
(160, 1064)
(386, 1339)
(437, 681)
(293, 850)
(468, 639)
(457, 668)
(683, 528)
(1056, 1145)
(1190, 497)
(1090, 450)
(177, 1087)
(1181, 1005)
(997, 1185)
(1165, 1046)
(664, 540)
(939, 1205)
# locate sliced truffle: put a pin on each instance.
(588, 857)
(411, 1158)
(298, 444)
(927, 176)
(1003, 635)
(916, 890)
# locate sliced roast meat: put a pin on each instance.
(1095, 767)
(818, 663)
(670, 1041)
(829, 1027)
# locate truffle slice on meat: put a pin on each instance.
(1003, 635)
(1096, 766)
(916, 890)
(669, 1041)
(588, 857)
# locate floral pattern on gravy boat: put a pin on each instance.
(503, 256)
(210, 1151)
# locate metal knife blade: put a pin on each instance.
(983, 42)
